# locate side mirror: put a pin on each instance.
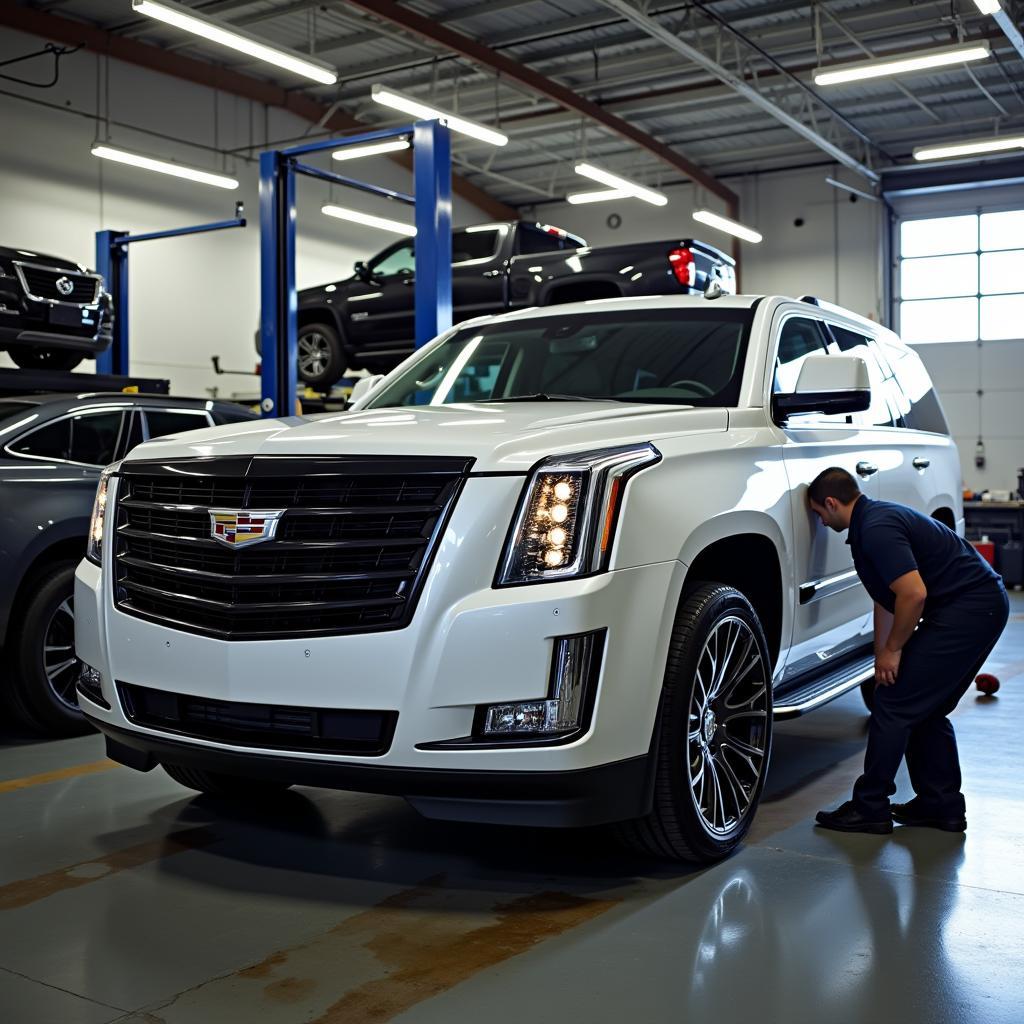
(364, 386)
(362, 271)
(828, 384)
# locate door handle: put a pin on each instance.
(491, 273)
(866, 469)
(409, 281)
(920, 463)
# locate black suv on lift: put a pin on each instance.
(53, 313)
(52, 448)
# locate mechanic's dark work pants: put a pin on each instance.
(909, 718)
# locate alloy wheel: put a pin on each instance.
(727, 731)
(61, 666)
(314, 354)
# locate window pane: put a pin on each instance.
(400, 261)
(94, 438)
(49, 442)
(799, 339)
(162, 423)
(939, 236)
(1002, 272)
(925, 412)
(939, 277)
(1002, 316)
(939, 320)
(1002, 230)
(474, 245)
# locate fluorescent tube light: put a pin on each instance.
(987, 6)
(883, 67)
(164, 167)
(343, 213)
(399, 101)
(613, 181)
(730, 227)
(578, 198)
(997, 145)
(191, 21)
(370, 149)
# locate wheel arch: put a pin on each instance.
(67, 548)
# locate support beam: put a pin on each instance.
(658, 31)
(1010, 30)
(199, 72)
(427, 28)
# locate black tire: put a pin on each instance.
(867, 691)
(226, 787)
(44, 358)
(321, 357)
(695, 764)
(44, 668)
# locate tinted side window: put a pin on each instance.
(532, 241)
(50, 442)
(474, 245)
(398, 261)
(799, 339)
(94, 437)
(884, 410)
(168, 421)
(925, 410)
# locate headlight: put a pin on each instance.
(566, 520)
(94, 549)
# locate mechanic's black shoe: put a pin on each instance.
(908, 814)
(846, 818)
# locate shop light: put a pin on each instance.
(122, 156)
(997, 145)
(370, 149)
(886, 66)
(730, 227)
(368, 219)
(187, 19)
(427, 112)
(613, 181)
(578, 198)
(988, 6)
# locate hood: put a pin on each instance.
(499, 437)
(45, 259)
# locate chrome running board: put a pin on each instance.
(797, 698)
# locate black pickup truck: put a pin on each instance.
(366, 321)
(53, 313)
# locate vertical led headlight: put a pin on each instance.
(565, 524)
(94, 548)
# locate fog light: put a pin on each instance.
(90, 683)
(575, 664)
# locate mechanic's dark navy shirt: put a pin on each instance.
(889, 540)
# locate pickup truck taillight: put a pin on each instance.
(683, 266)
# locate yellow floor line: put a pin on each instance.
(61, 773)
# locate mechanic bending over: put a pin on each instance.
(939, 610)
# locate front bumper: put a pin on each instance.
(467, 645)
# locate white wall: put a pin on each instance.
(191, 297)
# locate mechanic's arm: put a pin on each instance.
(883, 627)
(911, 594)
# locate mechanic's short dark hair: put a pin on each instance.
(833, 483)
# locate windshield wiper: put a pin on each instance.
(544, 397)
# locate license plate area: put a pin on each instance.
(70, 316)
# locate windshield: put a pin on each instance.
(675, 357)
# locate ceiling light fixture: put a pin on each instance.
(730, 227)
(370, 149)
(427, 112)
(578, 198)
(189, 20)
(613, 181)
(946, 150)
(885, 66)
(988, 6)
(367, 219)
(122, 156)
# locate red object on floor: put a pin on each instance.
(986, 683)
(987, 550)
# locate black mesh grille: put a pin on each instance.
(43, 283)
(273, 726)
(349, 554)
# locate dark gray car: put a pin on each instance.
(52, 448)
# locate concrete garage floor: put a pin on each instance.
(124, 898)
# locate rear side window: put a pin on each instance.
(94, 437)
(925, 410)
(532, 241)
(885, 408)
(173, 421)
(50, 442)
(799, 339)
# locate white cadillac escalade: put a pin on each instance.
(556, 569)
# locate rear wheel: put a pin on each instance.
(321, 357)
(45, 669)
(233, 787)
(715, 731)
(44, 358)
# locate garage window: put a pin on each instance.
(961, 278)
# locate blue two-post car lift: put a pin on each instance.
(432, 203)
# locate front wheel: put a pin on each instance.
(321, 357)
(715, 731)
(230, 787)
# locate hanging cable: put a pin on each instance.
(55, 51)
